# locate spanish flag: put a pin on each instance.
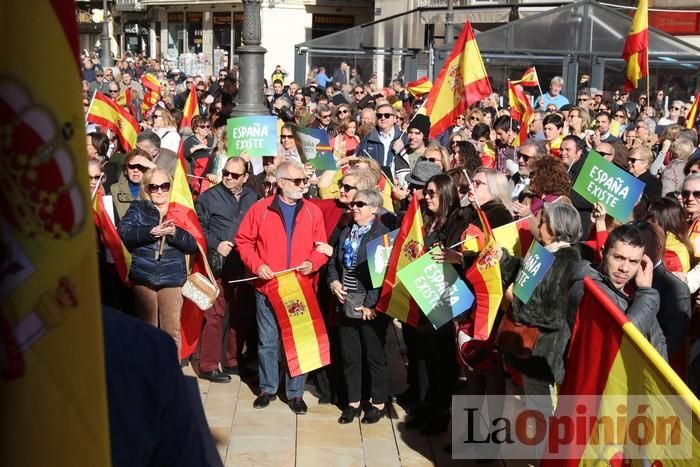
(106, 113)
(181, 210)
(676, 255)
(485, 278)
(624, 364)
(111, 239)
(515, 237)
(191, 108)
(53, 396)
(692, 116)
(395, 300)
(126, 100)
(385, 189)
(419, 87)
(461, 82)
(299, 317)
(529, 78)
(636, 51)
(520, 111)
(152, 92)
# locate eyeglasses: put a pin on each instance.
(359, 92)
(286, 136)
(204, 126)
(95, 177)
(358, 204)
(343, 111)
(609, 154)
(687, 194)
(549, 111)
(524, 157)
(632, 161)
(345, 187)
(384, 115)
(138, 167)
(297, 181)
(432, 159)
(189, 82)
(200, 90)
(429, 193)
(225, 173)
(164, 187)
(298, 98)
(325, 116)
(583, 99)
(473, 118)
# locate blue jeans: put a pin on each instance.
(268, 352)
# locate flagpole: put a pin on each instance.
(257, 277)
(538, 82)
(90, 106)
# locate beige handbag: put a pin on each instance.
(200, 289)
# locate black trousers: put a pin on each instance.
(362, 347)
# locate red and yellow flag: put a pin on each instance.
(53, 397)
(110, 238)
(395, 300)
(191, 108)
(520, 111)
(636, 50)
(419, 87)
(692, 116)
(152, 92)
(126, 100)
(676, 255)
(461, 82)
(485, 278)
(181, 210)
(529, 78)
(302, 331)
(385, 189)
(515, 237)
(625, 364)
(106, 113)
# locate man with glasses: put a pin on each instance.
(279, 233)
(221, 210)
(113, 91)
(536, 126)
(520, 181)
(99, 84)
(324, 120)
(166, 159)
(584, 100)
(379, 143)
(638, 164)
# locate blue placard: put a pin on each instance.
(532, 271)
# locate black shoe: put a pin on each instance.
(298, 405)
(263, 400)
(232, 370)
(349, 414)
(407, 398)
(216, 376)
(373, 415)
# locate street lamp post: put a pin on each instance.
(252, 62)
(106, 58)
(449, 22)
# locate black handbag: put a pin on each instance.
(216, 262)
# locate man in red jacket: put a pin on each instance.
(279, 233)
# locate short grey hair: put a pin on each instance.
(365, 179)
(321, 108)
(540, 147)
(150, 137)
(564, 221)
(374, 197)
(283, 170)
(691, 178)
(558, 80)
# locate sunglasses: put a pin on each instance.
(297, 181)
(687, 194)
(473, 119)
(268, 185)
(95, 177)
(138, 167)
(325, 116)
(286, 137)
(583, 99)
(432, 159)
(204, 126)
(631, 160)
(345, 187)
(358, 204)
(225, 173)
(359, 92)
(429, 193)
(384, 115)
(164, 187)
(609, 154)
(343, 111)
(112, 91)
(525, 157)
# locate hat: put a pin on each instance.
(422, 172)
(421, 123)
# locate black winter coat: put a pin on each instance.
(675, 307)
(135, 231)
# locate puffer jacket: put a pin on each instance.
(642, 309)
(135, 230)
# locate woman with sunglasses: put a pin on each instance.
(436, 154)
(128, 187)
(638, 164)
(197, 150)
(458, 126)
(158, 248)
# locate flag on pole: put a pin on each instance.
(191, 108)
(108, 114)
(53, 396)
(520, 110)
(301, 325)
(181, 211)
(385, 189)
(636, 50)
(152, 92)
(625, 365)
(395, 300)
(692, 116)
(126, 100)
(515, 237)
(485, 278)
(110, 238)
(529, 78)
(419, 87)
(461, 82)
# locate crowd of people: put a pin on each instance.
(289, 215)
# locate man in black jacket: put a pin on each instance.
(220, 210)
(573, 154)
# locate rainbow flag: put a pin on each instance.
(152, 92)
(624, 365)
(692, 116)
(181, 210)
(529, 78)
(485, 278)
(395, 300)
(191, 108)
(106, 113)
(303, 333)
(419, 87)
(461, 82)
(636, 50)
(53, 396)
(110, 238)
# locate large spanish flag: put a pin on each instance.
(191, 108)
(692, 116)
(395, 300)
(529, 78)
(636, 50)
(303, 333)
(520, 110)
(152, 92)
(461, 82)
(53, 398)
(181, 210)
(110, 238)
(624, 365)
(485, 278)
(420, 86)
(108, 114)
